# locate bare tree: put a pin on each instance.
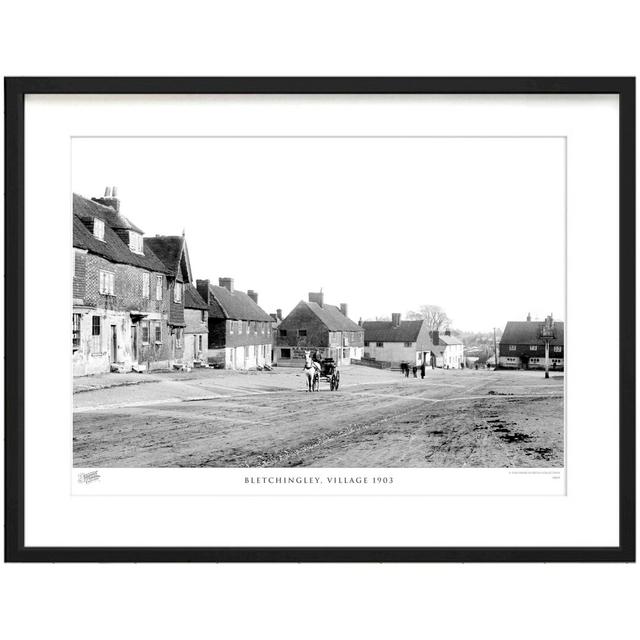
(435, 316)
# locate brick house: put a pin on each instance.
(196, 331)
(118, 283)
(240, 334)
(316, 326)
(522, 347)
(397, 341)
(173, 253)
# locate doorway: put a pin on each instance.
(114, 343)
(134, 342)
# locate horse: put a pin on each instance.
(312, 370)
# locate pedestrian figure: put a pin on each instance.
(406, 370)
(422, 369)
(476, 366)
(415, 371)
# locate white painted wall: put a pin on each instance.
(394, 352)
(453, 356)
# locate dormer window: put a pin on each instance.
(98, 229)
(135, 242)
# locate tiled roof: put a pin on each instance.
(234, 305)
(192, 299)
(528, 332)
(449, 339)
(333, 318)
(85, 208)
(385, 331)
(168, 249)
(113, 248)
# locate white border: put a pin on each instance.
(586, 516)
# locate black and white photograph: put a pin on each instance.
(319, 301)
(360, 316)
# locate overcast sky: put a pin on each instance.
(475, 225)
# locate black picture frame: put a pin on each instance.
(15, 91)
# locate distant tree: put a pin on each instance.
(436, 317)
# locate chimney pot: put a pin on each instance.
(529, 317)
(279, 314)
(395, 319)
(344, 309)
(227, 283)
(447, 332)
(109, 199)
(253, 295)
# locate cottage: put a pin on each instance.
(397, 341)
(173, 252)
(120, 293)
(522, 345)
(240, 334)
(447, 349)
(316, 326)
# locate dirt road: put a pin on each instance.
(377, 418)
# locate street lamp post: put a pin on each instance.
(547, 334)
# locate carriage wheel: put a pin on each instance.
(337, 379)
(332, 383)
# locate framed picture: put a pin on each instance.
(320, 319)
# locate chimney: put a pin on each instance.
(110, 198)
(317, 298)
(227, 283)
(529, 316)
(435, 337)
(447, 332)
(360, 322)
(253, 295)
(343, 309)
(395, 319)
(279, 314)
(203, 289)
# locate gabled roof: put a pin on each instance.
(234, 305)
(385, 331)
(443, 337)
(85, 208)
(113, 248)
(192, 299)
(332, 317)
(172, 250)
(528, 332)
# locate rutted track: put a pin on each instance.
(443, 421)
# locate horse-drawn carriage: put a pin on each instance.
(326, 370)
(330, 373)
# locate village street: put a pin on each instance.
(452, 418)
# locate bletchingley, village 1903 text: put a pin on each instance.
(318, 480)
